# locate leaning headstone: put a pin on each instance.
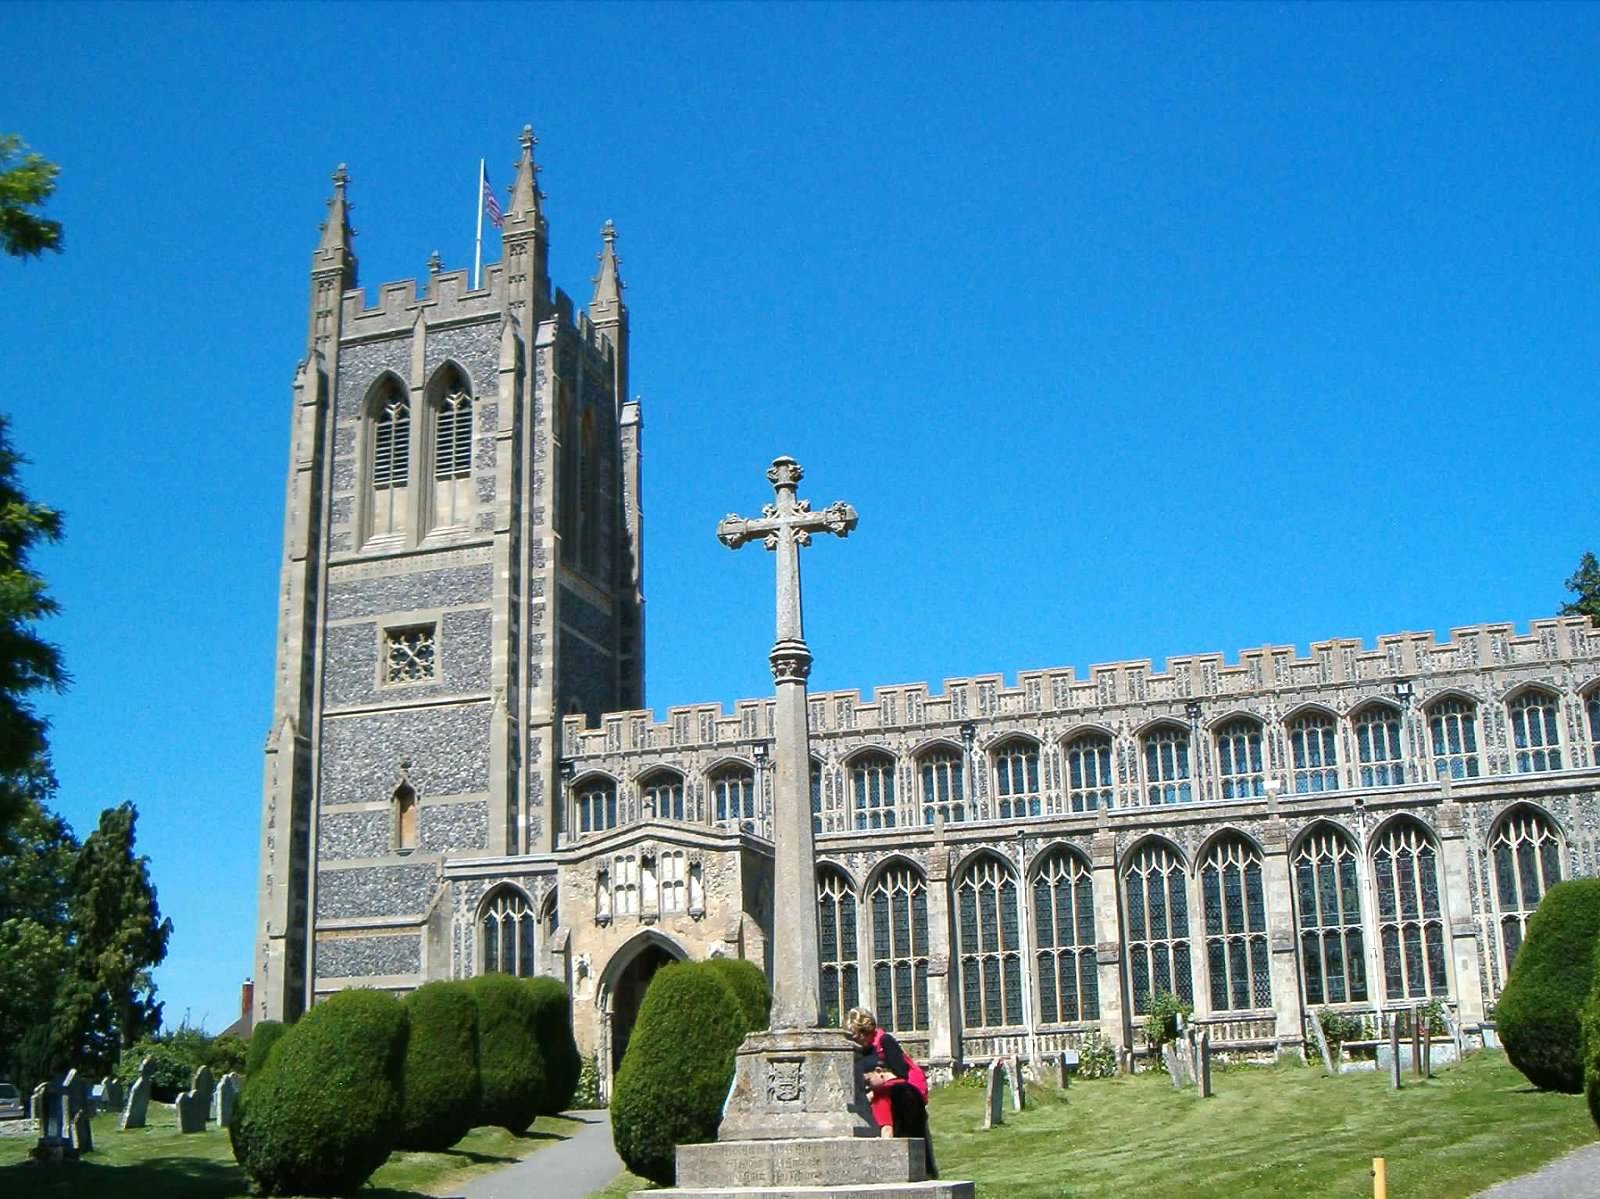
(72, 1094)
(1191, 1042)
(994, 1100)
(191, 1109)
(1019, 1091)
(202, 1085)
(1170, 1058)
(1203, 1074)
(1394, 1054)
(1322, 1042)
(227, 1099)
(83, 1132)
(1425, 1061)
(133, 1115)
(1454, 1026)
(39, 1108)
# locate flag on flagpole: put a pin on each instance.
(492, 206)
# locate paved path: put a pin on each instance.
(571, 1169)
(1576, 1176)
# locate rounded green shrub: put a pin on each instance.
(749, 983)
(1591, 1043)
(327, 1113)
(263, 1037)
(510, 1063)
(677, 1069)
(442, 1086)
(552, 1022)
(1539, 1012)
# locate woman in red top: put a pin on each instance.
(896, 1085)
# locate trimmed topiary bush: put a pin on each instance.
(327, 1113)
(1591, 1043)
(749, 983)
(263, 1037)
(1539, 1012)
(510, 1062)
(552, 1022)
(677, 1069)
(442, 1086)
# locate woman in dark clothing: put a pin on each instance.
(896, 1084)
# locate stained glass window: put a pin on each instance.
(836, 932)
(733, 796)
(1526, 851)
(661, 795)
(595, 800)
(1315, 760)
(1405, 866)
(1236, 927)
(1239, 759)
(1379, 746)
(1064, 935)
(507, 933)
(989, 944)
(943, 792)
(1534, 731)
(900, 949)
(1016, 779)
(872, 790)
(1453, 729)
(1327, 899)
(1090, 781)
(1156, 905)
(1166, 764)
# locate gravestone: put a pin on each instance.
(202, 1085)
(1019, 1091)
(1191, 1042)
(1170, 1058)
(110, 1093)
(1416, 1043)
(72, 1095)
(1203, 1074)
(1394, 1054)
(1322, 1042)
(994, 1100)
(191, 1109)
(83, 1132)
(227, 1099)
(133, 1115)
(1425, 1062)
(39, 1107)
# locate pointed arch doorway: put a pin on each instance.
(621, 991)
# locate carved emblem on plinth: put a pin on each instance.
(786, 1081)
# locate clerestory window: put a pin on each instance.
(1453, 731)
(1239, 761)
(1090, 782)
(943, 793)
(733, 796)
(1312, 752)
(1166, 765)
(1534, 731)
(1379, 746)
(1016, 772)
(661, 795)
(872, 790)
(595, 805)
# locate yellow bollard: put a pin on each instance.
(1380, 1178)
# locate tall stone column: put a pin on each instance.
(1279, 894)
(1460, 924)
(1108, 937)
(943, 1042)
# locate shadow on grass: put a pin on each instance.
(166, 1178)
(469, 1157)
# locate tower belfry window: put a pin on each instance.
(391, 454)
(453, 437)
(389, 470)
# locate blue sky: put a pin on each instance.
(1130, 331)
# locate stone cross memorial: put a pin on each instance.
(796, 1117)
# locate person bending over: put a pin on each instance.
(896, 1085)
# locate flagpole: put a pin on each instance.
(477, 257)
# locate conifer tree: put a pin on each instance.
(26, 181)
(1585, 585)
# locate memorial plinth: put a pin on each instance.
(796, 1124)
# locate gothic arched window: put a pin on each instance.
(989, 944)
(451, 405)
(1239, 759)
(817, 817)
(733, 796)
(1526, 851)
(405, 818)
(594, 805)
(900, 949)
(1405, 866)
(1063, 926)
(1016, 779)
(1534, 734)
(506, 929)
(1312, 752)
(836, 940)
(872, 790)
(1236, 926)
(1090, 782)
(1157, 908)
(661, 794)
(943, 792)
(1453, 731)
(1379, 746)
(1166, 764)
(389, 446)
(1327, 905)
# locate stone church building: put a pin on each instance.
(460, 775)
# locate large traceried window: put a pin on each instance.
(1526, 851)
(1239, 759)
(661, 795)
(389, 424)
(872, 790)
(900, 949)
(1090, 781)
(1237, 963)
(594, 805)
(733, 796)
(836, 940)
(1405, 865)
(1327, 904)
(1156, 904)
(1064, 936)
(1379, 746)
(1166, 764)
(1453, 733)
(943, 790)
(989, 943)
(1312, 753)
(1534, 731)
(506, 928)
(1016, 779)
(451, 404)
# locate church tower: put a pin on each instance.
(461, 569)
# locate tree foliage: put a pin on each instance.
(36, 855)
(442, 1083)
(1585, 587)
(552, 1021)
(510, 1059)
(26, 182)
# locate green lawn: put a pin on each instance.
(158, 1163)
(1284, 1130)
